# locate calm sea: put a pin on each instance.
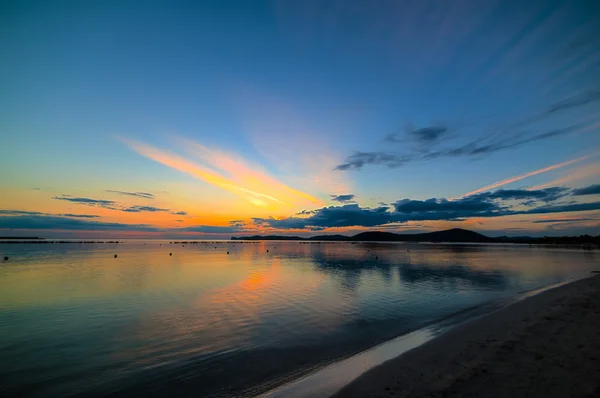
(75, 321)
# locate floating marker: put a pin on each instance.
(227, 252)
(170, 254)
(115, 256)
(5, 258)
(267, 250)
(376, 257)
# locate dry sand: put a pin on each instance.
(547, 345)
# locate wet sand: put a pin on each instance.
(547, 345)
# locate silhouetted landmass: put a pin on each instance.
(449, 235)
(19, 237)
(44, 241)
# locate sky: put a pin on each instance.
(178, 119)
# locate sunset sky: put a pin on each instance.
(221, 118)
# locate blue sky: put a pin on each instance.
(386, 101)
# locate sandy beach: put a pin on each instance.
(547, 345)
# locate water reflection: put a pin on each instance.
(76, 320)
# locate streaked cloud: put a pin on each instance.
(138, 209)
(38, 213)
(145, 195)
(252, 185)
(108, 204)
(64, 223)
(562, 220)
(507, 136)
(576, 174)
(510, 180)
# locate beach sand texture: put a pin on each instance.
(547, 345)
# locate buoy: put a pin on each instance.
(267, 250)
(170, 254)
(5, 258)
(376, 257)
(115, 256)
(227, 252)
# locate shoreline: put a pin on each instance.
(360, 375)
(546, 344)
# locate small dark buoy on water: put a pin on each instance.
(376, 257)
(5, 258)
(115, 256)
(170, 254)
(267, 250)
(227, 252)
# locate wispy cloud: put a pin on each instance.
(577, 174)
(510, 180)
(435, 143)
(561, 220)
(39, 213)
(108, 204)
(47, 222)
(254, 186)
(139, 209)
(145, 195)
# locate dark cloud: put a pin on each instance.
(343, 198)
(486, 204)
(559, 220)
(333, 216)
(144, 195)
(544, 195)
(469, 205)
(425, 135)
(563, 208)
(180, 213)
(589, 190)
(20, 212)
(109, 204)
(79, 215)
(503, 138)
(38, 213)
(496, 144)
(139, 209)
(359, 159)
(65, 223)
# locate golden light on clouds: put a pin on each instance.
(229, 173)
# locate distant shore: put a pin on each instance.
(544, 346)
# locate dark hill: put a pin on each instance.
(450, 235)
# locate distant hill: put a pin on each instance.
(450, 235)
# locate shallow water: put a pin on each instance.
(76, 321)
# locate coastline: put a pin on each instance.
(373, 372)
(544, 345)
